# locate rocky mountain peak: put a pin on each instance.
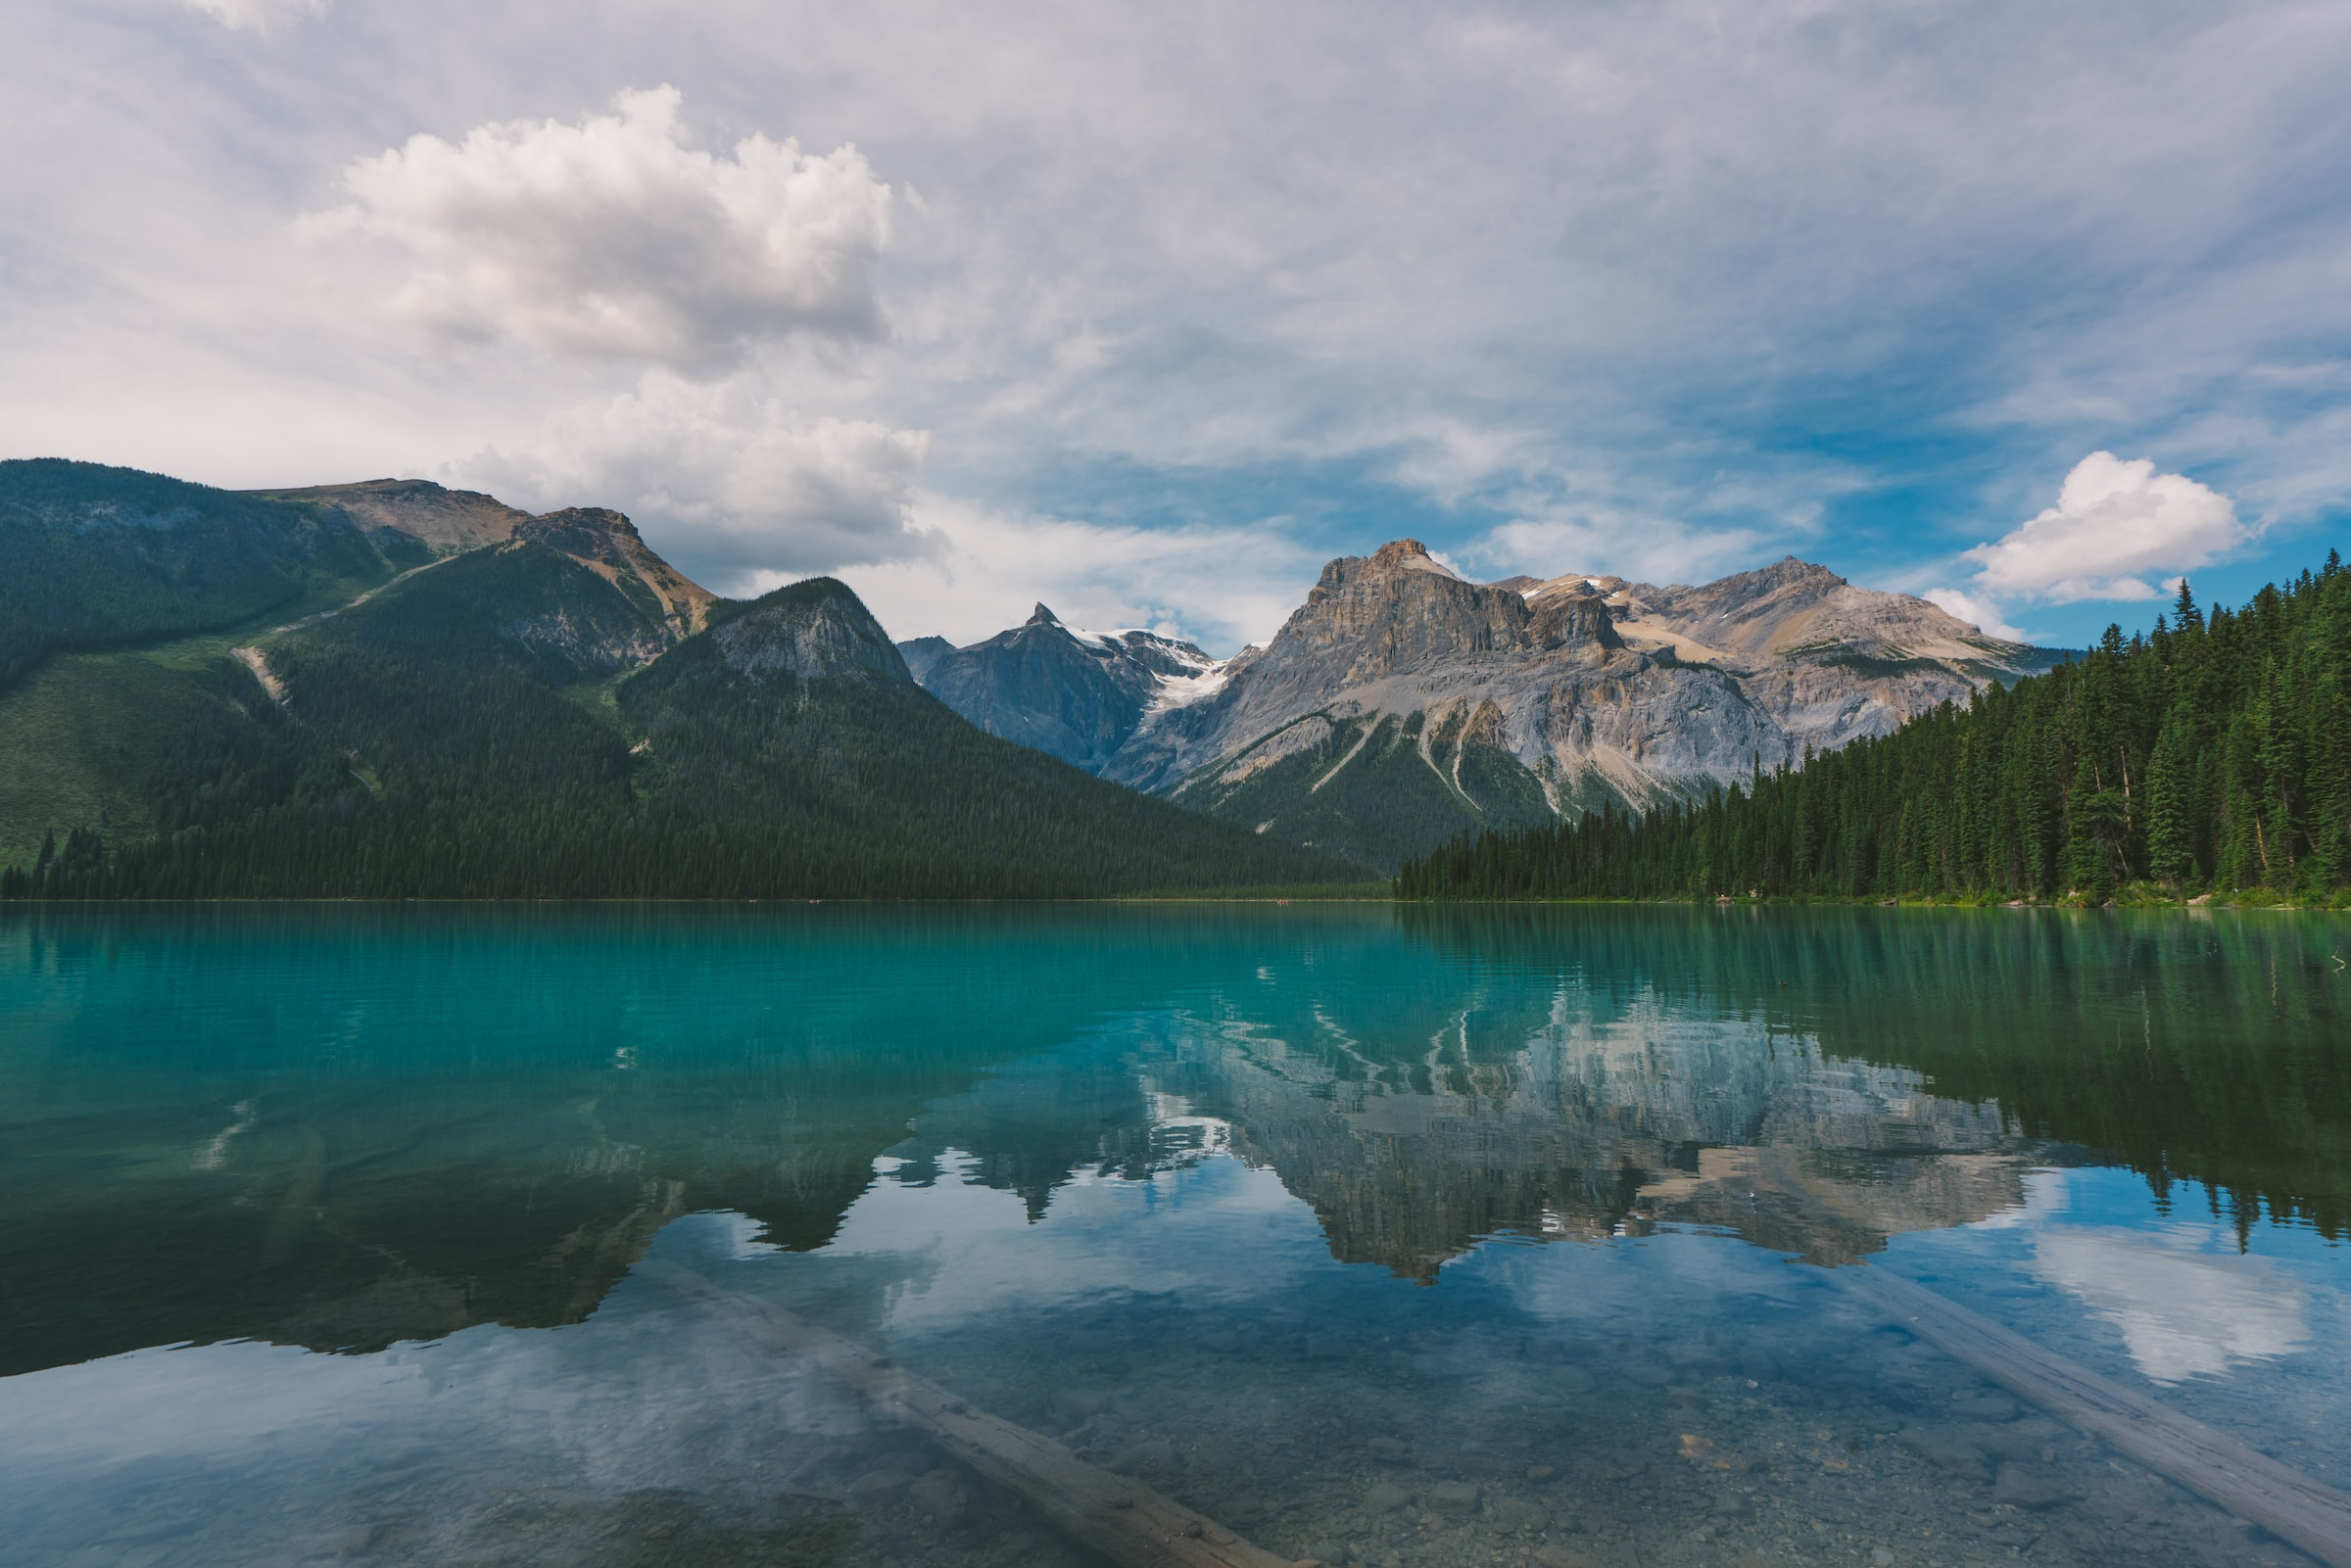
(1041, 616)
(1783, 575)
(1400, 610)
(608, 544)
(588, 532)
(1797, 609)
(447, 520)
(810, 630)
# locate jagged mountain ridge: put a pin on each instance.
(444, 519)
(1402, 704)
(557, 713)
(1075, 695)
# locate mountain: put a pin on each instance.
(1829, 662)
(1077, 696)
(445, 521)
(559, 713)
(1401, 706)
(921, 652)
(96, 557)
(2203, 756)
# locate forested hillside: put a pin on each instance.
(491, 728)
(2208, 755)
(92, 557)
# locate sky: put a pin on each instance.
(1145, 313)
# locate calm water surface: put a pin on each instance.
(338, 1235)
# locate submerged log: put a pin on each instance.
(1121, 1518)
(2257, 1488)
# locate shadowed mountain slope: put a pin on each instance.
(92, 557)
(1077, 696)
(541, 718)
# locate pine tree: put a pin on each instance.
(2171, 834)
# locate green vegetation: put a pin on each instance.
(1371, 789)
(2204, 757)
(92, 558)
(476, 731)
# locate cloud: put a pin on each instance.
(1606, 541)
(732, 486)
(2114, 522)
(254, 16)
(2184, 1309)
(1980, 613)
(1675, 249)
(614, 239)
(1217, 586)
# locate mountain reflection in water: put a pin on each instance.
(1027, 1143)
(387, 1125)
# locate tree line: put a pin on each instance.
(2210, 754)
(423, 753)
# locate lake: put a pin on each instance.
(1586, 1236)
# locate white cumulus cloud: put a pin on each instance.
(254, 16)
(614, 239)
(1981, 613)
(2115, 522)
(736, 488)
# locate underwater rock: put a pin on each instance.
(1152, 1454)
(1562, 1558)
(1453, 1497)
(1385, 1497)
(1077, 1405)
(940, 1494)
(1517, 1513)
(2024, 1487)
(1943, 1446)
(879, 1489)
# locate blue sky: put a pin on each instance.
(1148, 313)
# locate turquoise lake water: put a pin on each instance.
(339, 1234)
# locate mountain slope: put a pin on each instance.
(92, 557)
(747, 725)
(1401, 706)
(1828, 661)
(534, 719)
(1456, 705)
(1076, 696)
(445, 521)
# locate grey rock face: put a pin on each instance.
(810, 630)
(1401, 704)
(921, 652)
(1599, 687)
(1077, 696)
(1827, 661)
(1550, 678)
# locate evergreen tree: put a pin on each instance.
(2171, 839)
